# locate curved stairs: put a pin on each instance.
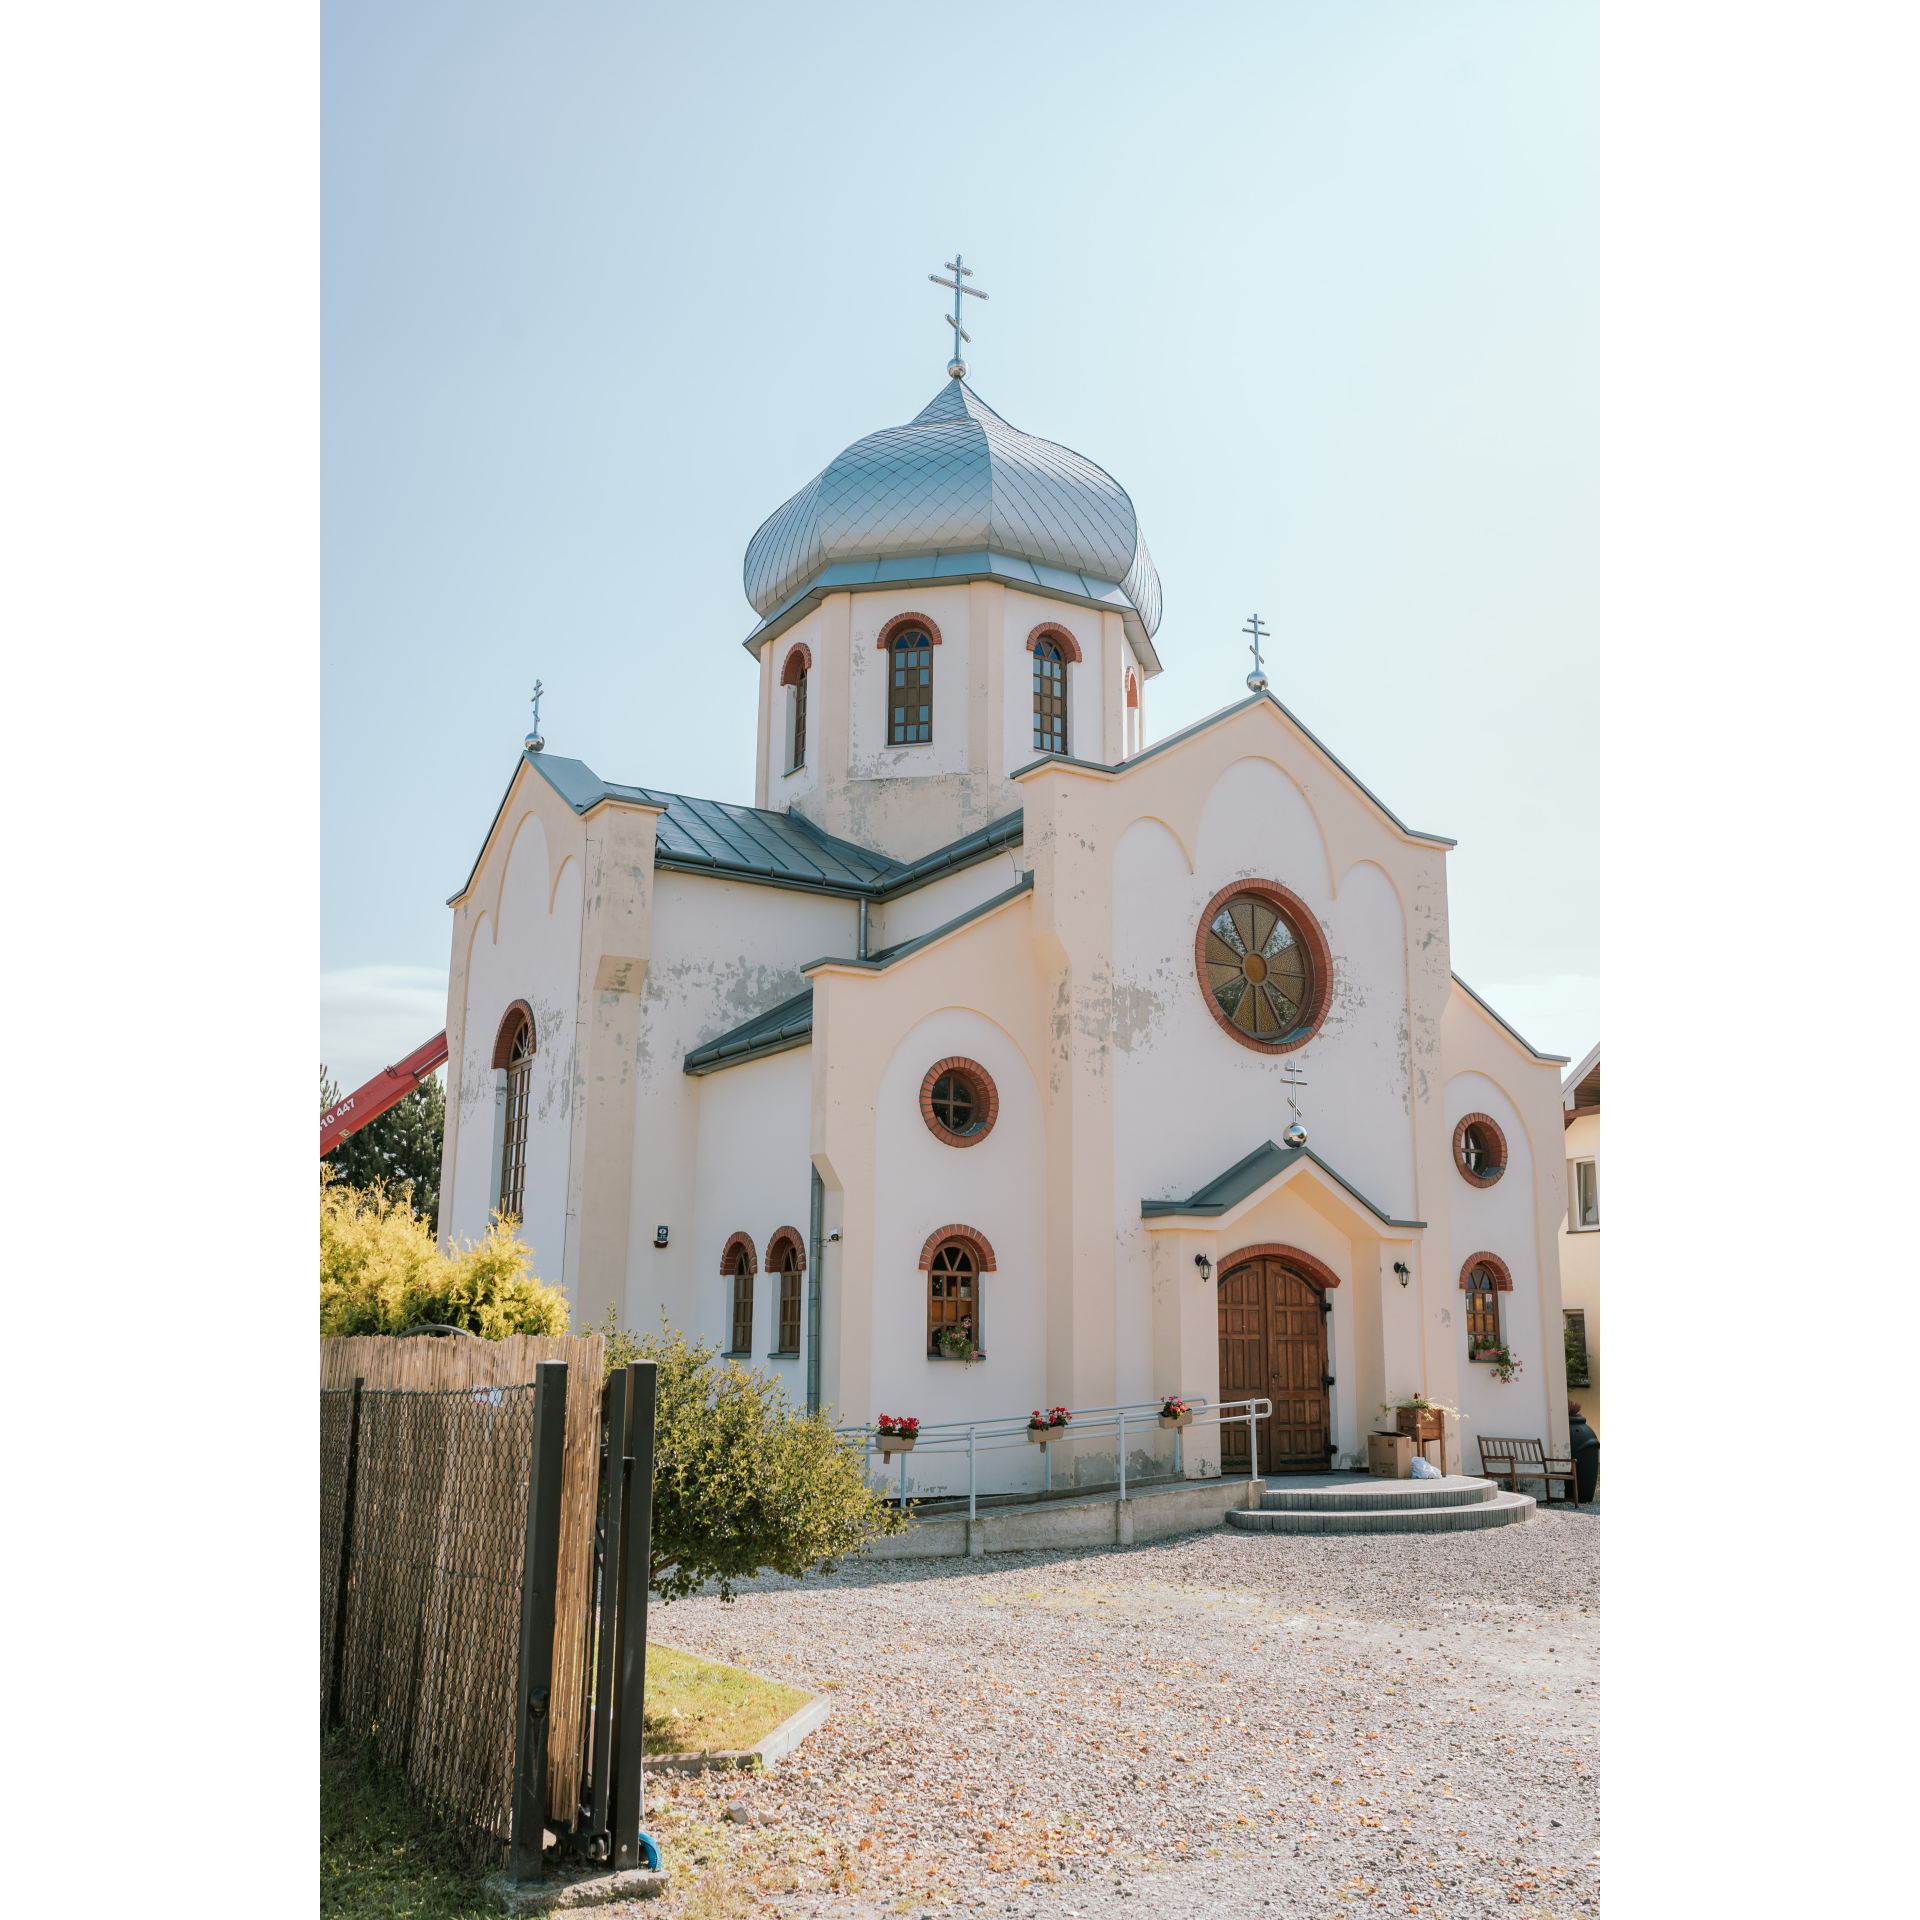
(1355, 1503)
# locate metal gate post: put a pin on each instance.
(540, 1573)
(604, 1671)
(637, 1555)
(346, 1553)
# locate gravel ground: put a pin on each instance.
(1317, 1726)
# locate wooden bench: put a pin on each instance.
(1508, 1460)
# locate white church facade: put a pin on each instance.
(951, 1077)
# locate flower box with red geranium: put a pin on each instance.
(1174, 1412)
(1501, 1359)
(897, 1433)
(1047, 1426)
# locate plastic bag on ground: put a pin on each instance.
(1422, 1469)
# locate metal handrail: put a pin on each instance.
(1009, 1430)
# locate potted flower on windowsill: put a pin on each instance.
(1174, 1412)
(1500, 1358)
(1046, 1426)
(896, 1433)
(956, 1343)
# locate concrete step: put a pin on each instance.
(1503, 1510)
(1376, 1496)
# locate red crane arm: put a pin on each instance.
(387, 1088)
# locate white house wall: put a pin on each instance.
(869, 756)
(1085, 720)
(529, 951)
(753, 1177)
(722, 951)
(941, 901)
(998, 1187)
(780, 788)
(1499, 1220)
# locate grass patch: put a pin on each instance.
(381, 1856)
(696, 1705)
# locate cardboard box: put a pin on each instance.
(1390, 1456)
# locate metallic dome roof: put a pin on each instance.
(955, 479)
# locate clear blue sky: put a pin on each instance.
(603, 284)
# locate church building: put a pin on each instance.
(1001, 1055)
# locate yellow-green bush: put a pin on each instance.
(380, 1272)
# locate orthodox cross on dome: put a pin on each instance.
(956, 367)
(1257, 679)
(1296, 1134)
(534, 742)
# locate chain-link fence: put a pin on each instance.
(433, 1597)
(336, 1416)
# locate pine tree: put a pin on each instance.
(399, 1149)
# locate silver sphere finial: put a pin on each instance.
(1295, 1135)
(534, 743)
(956, 369)
(1256, 683)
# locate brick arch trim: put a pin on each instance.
(799, 665)
(781, 1237)
(1050, 630)
(974, 1238)
(984, 1090)
(1307, 924)
(738, 1243)
(509, 1026)
(1322, 1275)
(900, 621)
(1502, 1279)
(1488, 1125)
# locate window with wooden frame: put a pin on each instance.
(910, 709)
(1049, 698)
(514, 1051)
(953, 1301)
(1483, 1310)
(1583, 1195)
(742, 1303)
(793, 676)
(789, 1271)
(1579, 1367)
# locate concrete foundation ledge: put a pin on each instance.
(1503, 1510)
(558, 1896)
(1055, 1525)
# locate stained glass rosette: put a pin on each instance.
(1257, 967)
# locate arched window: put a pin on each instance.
(1049, 698)
(789, 1270)
(793, 676)
(953, 1301)
(910, 710)
(514, 1050)
(742, 1302)
(1133, 712)
(1483, 1308)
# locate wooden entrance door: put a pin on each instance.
(1273, 1341)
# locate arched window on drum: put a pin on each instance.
(910, 689)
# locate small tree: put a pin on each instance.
(399, 1148)
(743, 1481)
(380, 1272)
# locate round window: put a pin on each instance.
(1264, 966)
(1480, 1149)
(959, 1101)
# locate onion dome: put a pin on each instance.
(956, 494)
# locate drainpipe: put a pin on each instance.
(863, 929)
(816, 1221)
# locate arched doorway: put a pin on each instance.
(1273, 1341)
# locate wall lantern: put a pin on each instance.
(1403, 1270)
(1205, 1265)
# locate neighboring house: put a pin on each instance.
(1580, 1235)
(976, 1030)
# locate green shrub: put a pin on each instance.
(744, 1482)
(380, 1272)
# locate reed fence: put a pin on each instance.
(425, 1512)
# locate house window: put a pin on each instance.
(1258, 971)
(1579, 1371)
(959, 1101)
(789, 1298)
(518, 1046)
(742, 1303)
(1480, 1149)
(793, 676)
(1483, 1310)
(1583, 1195)
(953, 1302)
(910, 718)
(1049, 698)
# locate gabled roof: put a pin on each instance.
(1225, 1191)
(788, 1025)
(1215, 719)
(756, 844)
(1556, 1059)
